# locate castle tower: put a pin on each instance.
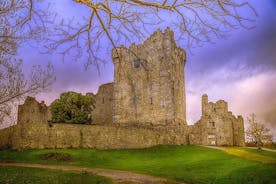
(204, 103)
(149, 82)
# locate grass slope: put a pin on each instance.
(257, 155)
(20, 175)
(193, 164)
(261, 152)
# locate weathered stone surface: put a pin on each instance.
(40, 135)
(6, 137)
(149, 82)
(103, 112)
(217, 126)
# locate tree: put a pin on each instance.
(257, 132)
(20, 21)
(106, 24)
(16, 28)
(72, 107)
(86, 35)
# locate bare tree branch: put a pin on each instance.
(125, 21)
(19, 22)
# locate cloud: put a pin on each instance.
(241, 70)
(254, 48)
(251, 93)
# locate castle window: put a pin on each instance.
(151, 101)
(212, 125)
(151, 86)
(132, 88)
(103, 100)
(136, 63)
(134, 101)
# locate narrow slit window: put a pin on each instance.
(136, 63)
(212, 125)
(132, 88)
(151, 86)
(134, 101)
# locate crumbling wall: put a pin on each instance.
(39, 134)
(217, 126)
(33, 111)
(149, 82)
(239, 134)
(103, 112)
(6, 137)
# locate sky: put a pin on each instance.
(240, 69)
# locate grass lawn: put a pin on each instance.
(22, 175)
(262, 152)
(193, 164)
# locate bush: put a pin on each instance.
(72, 107)
(56, 156)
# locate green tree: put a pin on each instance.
(72, 107)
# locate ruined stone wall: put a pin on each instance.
(194, 134)
(149, 82)
(103, 112)
(40, 135)
(217, 126)
(33, 111)
(6, 137)
(34, 132)
(239, 133)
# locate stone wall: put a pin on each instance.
(40, 135)
(34, 132)
(6, 137)
(149, 82)
(217, 126)
(103, 112)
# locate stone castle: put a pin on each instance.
(144, 106)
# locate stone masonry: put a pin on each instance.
(217, 126)
(103, 112)
(148, 87)
(144, 106)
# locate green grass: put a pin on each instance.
(20, 175)
(193, 164)
(262, 152)
(260, 156)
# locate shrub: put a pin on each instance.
(72, 107)
(56, 156)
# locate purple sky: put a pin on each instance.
(240, 69)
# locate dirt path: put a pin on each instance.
(266, 149)
(117, 175)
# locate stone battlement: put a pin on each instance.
(154, 41)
